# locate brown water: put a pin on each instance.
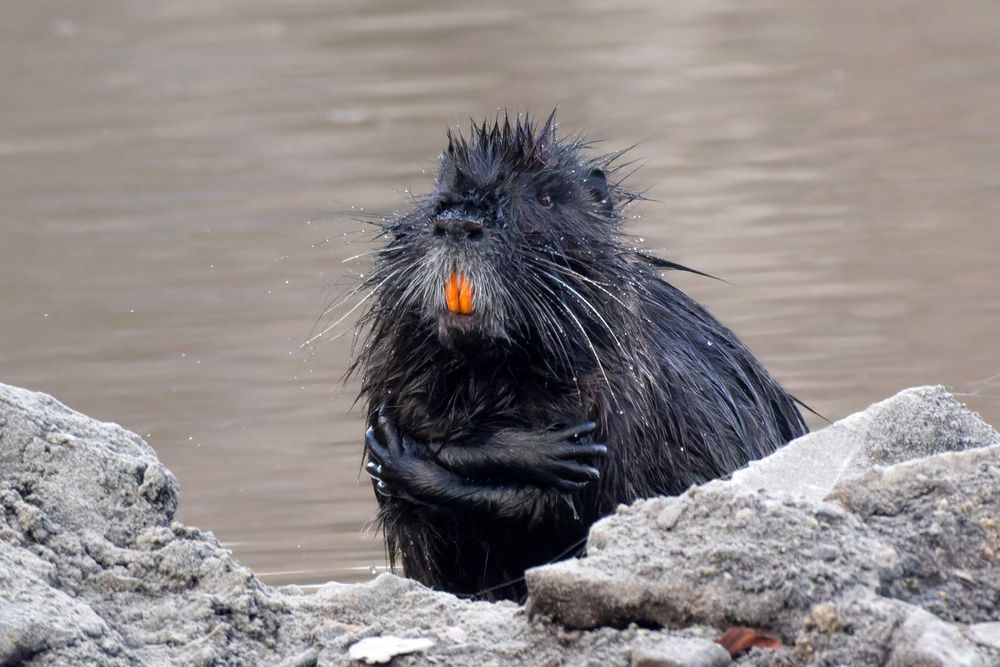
(179, 183)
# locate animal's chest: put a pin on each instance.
(459, 402)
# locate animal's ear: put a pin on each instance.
(597, 185)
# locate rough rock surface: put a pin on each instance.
(856, 565)
(914, 423)
(890, 567)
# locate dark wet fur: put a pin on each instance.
(573, 324)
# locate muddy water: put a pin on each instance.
(180, 182)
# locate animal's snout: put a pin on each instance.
(459, 228)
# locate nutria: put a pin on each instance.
(526, 369)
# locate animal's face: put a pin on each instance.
(489, 252)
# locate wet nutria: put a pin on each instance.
(526, 368)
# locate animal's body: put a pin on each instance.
(527, 369)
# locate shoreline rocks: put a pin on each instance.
(873, 541)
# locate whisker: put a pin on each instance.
(366, 254)
(571, 272)
(372, 292)
(593, 309)
(334, 325)
(550, 323)
(590, 344)
(596, 312)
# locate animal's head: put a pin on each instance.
(513, 236)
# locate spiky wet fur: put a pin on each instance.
(572, 324)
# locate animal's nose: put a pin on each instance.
(458, 228)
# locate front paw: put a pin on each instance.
(565, 459)
(386, 455)
(397, 468)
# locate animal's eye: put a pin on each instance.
(545, 200)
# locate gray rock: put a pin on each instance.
(382, 649)
(883, 562)
(942, 517)
(94, 570)
(924, 639)
(987, 634)
(732, 559)
(830, 566)
(876, 631)
(679, 652)
(912, 424)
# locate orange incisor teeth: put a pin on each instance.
(458, 294)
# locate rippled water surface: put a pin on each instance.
(180, 183)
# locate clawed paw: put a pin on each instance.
(562, 458)
(566, 461)
(397, 467)
(386, 454)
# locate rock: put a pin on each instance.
(871, 630)
(679, 652)
(912, 424)
(380, 650)
(94, 570)
(886, 555)
(831, 561)
(714, 567)
(987, 634)
(942, 517)
(923, 639)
